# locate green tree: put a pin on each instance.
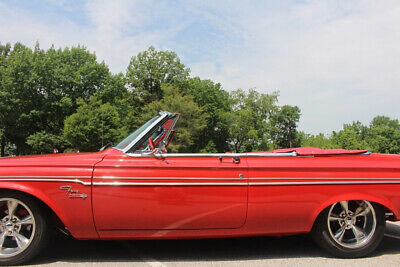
(4, 52)
(125, 101)
(349, 139)
(17, 101)
(215, 102)
(93, 125)
(284, 128)
(39, 90)
(249, 125)
(381, 136)
(384, 135)
(319, 140)
(192, 121)
(151, 68)
(44, 142)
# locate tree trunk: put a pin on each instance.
(3, 147)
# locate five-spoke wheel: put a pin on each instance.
(351, 223)
(351, 228)
(17, 227)
(23, 228)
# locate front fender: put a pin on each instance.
(74, 213)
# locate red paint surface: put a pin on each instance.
(169, 207)
(126, 212)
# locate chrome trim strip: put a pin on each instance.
(55, 177)
(48, 180)
(326, 183)
(211, 155)
(325, 178)
(163, 184)
(165, 178)
(244, 183)
(234, 179)
(241, 184)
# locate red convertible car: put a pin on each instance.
(137, 190)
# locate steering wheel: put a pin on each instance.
(151, 143)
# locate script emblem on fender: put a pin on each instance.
(72, 193)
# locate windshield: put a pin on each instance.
(135, 134)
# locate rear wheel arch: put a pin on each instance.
(350, 229)
(383, 203)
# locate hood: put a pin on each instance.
(61, 159)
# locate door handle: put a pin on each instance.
(235, 160)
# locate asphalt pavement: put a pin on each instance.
(296, 250)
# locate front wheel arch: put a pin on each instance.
(26, 228)
(55, 220)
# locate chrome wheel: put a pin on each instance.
(352, 223)
(17, 227)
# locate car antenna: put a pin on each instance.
(102, 129)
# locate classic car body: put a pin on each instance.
(139, 191)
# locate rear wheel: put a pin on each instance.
(350, 229)
(23, 228)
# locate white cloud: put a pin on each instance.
(115, 31)
(338, 62)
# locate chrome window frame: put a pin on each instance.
(163, 115)
(157, 153)
(210, 155)
(171, 128)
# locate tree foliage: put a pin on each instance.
(93, 125)
(44, 142)
(284, 129)
(150, 69)
(192, 117)
(319, 140)
(66, 99)
(382, 135)
(248, 121)
(215, 102)
(39, 90)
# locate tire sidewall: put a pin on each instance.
(322, 237)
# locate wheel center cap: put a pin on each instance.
(348, 221)
(9, 226)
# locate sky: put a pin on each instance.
(339, 61)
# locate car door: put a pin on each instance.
(171, 192)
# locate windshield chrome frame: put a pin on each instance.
(171, 128)
(162, 114)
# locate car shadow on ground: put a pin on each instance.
(64, 249)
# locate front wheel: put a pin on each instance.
(23, 228)
(350, 229)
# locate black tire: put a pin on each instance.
(41, 233)
(323, 237)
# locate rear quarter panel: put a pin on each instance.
(286, 194)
